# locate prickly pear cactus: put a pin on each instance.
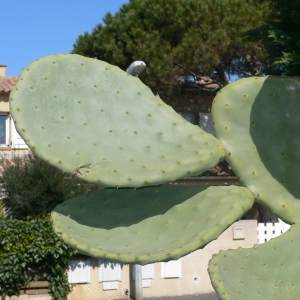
(257, 121)
(267, 271)
(148, 224)
(91, 118)
(88, 117)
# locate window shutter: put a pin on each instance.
(79, 271)
(148, 271)
(171, 269)
(110, 285)
(147, 275)
(17, 141)
(109, 274)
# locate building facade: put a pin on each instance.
(10, 141)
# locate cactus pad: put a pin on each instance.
(257, 121)
(91, 118)
(148, 224)
(267, 271)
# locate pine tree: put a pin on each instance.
(186, 44)
(281, 37)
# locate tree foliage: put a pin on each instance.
(33, 187)
(186, 44)
(280, 36)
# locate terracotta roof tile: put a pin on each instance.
(7, 83)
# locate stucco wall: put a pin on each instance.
(195, 279)
(4, 104)
(35, 297)
(94, 291)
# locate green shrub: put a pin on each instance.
(27, 245)
(33, 187)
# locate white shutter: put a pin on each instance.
(109, 274)
(171, 269)
(109, 285)
(146, 283)
(148, 271)
(206, 123)
(147, 275)
(79, 271)
(17, 141)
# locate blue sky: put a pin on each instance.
(30, 29)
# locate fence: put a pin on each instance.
(267, 231)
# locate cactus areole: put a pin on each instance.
(90, 118)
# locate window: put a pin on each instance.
(4, 130)
(7, 136)
(206, 123)
(204, 120)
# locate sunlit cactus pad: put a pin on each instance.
(267, 271)
(148, 224)
(86, 116)
(257, 121)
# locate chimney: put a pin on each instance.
(3, 70)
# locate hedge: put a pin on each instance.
(32, 245)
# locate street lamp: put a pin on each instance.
(136, 68)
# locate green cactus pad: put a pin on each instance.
(148, 224)
(267, 271)
(86, 116)
(257, 121)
